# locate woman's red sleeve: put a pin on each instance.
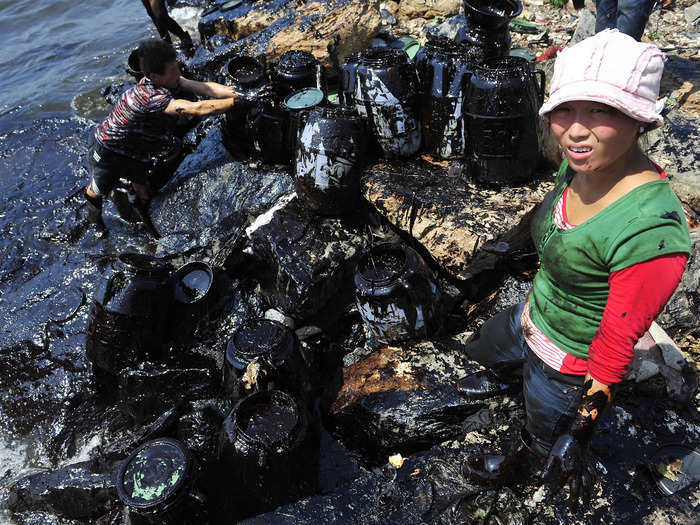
(637, 295)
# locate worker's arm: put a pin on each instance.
(207, 89)
(201, 108)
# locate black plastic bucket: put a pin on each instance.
(297, 70)
(157, 484)
(329, 160)
(248, 76)
(129, 312)
(192, 283)
(387, 94)
(396, 294)
(503, 98)
(487, 25)
(444, 68)
(268, 452)
(298, 106)
(274, 347)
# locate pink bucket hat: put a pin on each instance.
(611, 68)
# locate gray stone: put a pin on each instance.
(585, 27)
(692, 15)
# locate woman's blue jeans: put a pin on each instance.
(629, 16)
(551, 398)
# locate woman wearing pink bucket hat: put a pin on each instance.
(612, 241)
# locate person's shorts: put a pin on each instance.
(107, 167)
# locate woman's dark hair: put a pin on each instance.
(154, 54)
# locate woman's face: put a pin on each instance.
(594, 137)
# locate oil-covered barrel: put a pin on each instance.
(387, 94)
(329, 160)
(128, 315)
(248, 77)
(396, 294)
(274, 347)
(157, 484)
(268, 454)
(267, 126)
(297, 70)
(298, 105)
(487, 25)
(444, 68)
(503, 97)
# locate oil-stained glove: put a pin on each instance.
(568, 459)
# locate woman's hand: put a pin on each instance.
(568, 459)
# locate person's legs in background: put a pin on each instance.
(605, 14)
(633, 16)
(165, 24)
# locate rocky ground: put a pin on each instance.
(66, 429)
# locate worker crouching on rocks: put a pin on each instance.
(612, 241)
(141, 126)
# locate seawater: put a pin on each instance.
(56, 55)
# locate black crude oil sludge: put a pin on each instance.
(487, 25)
(386, 92)
(396, 294)
(192, 290)
(274, 346)
(157, 484)
(330, 158)
(503, 97)
(268, 453)
(128, 315)
(444, 68)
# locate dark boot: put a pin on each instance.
(482, 385)
(518, 467)
(94, 207)
(141, 209)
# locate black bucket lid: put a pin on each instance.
(304, 99)
(675, 467)
(144, 264)
(382, 263)
(296, 61)
(155, 475)
(270, 418)
(192, 282)
(259, 338)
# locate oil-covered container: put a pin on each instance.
(267, 127)
(487, 25)
(330, 158)
(268, 452)
(387, 94)
(277, 356)
(247, 75)
(503, 97)
(298, 106)
(128, 314)
(444, 68)
(157, 485)
(396, 294)
(297, 70)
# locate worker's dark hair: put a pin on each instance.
(154, 54)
